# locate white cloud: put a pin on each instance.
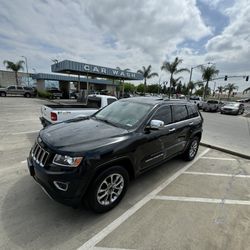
(128, 34)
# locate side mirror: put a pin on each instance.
(156, 124)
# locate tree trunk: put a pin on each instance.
(16, 78)
(170, 85)
(145, 84)
(205, 91)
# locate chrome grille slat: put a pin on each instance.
(39, 155)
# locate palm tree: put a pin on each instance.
(220, 89)
(191, 86)
(146, 72)
(172, 68)
(14, 67)
(175, 82)
(245, 90)
(230, 88)
(207, 75)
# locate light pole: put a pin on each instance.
(26, 62)
(191, 71)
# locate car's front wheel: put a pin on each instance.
(191, 149)
(108, 189)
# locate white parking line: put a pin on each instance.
(202, 200)
(218, 158)
(219, 174)
(113, 225)
(23, 120)
(25, 132)
(108, 248)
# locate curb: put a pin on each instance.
(225, 150)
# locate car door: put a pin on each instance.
(181, 124)
(20, 90)
(156, 145)
(12, 90)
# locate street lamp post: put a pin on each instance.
(26, 62)
(191, 71)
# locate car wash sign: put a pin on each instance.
(77, 68)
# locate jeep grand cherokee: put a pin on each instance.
(92, 159)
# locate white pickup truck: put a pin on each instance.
(54, 113)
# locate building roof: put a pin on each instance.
(56, 77)
(77, 68)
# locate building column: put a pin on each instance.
(40, 84)
(64, 87)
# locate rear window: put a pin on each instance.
(111, 100)
(212, 102)
(94, 102)
(179, 113)
(27, 88)
(192, 111)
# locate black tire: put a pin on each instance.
(27, 95)
(3, 94)
(191, 149)
(96, 203)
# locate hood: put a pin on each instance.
(81, 136)
(230, 107)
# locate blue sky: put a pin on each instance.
(129, 34)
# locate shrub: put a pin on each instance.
(44, 94)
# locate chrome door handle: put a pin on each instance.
(171, 130)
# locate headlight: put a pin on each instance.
(67, 161)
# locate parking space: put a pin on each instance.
(204, 204)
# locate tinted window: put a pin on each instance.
(212, 102)
(27, 88)
(163, 114)
(11, 87)
(20, 88)
(179, 113)
(192, 111)
(110, 100)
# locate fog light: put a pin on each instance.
(63, 186)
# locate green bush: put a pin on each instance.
(44, 94)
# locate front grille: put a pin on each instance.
(39, 154)
(226, 109)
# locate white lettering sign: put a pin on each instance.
(95, 69)
(86, 67)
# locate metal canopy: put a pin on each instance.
(54, 77)
(77, 68)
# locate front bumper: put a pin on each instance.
(76, 186)
(231, 112)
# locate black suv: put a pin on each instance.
(92, 159)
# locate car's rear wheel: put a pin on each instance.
(108, 189)
(3, 94)
(28, 95)
(192, 149)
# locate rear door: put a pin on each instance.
(181, 124)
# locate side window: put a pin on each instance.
(163, 114)
(20, 88)
(179, 113)
(110, 100)
(192, 111)
(11, 87)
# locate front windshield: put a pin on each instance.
(123, 113)
(233, 104)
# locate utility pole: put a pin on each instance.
(26, 63)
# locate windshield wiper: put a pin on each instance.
(106, 121)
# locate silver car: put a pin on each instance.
(233, 108)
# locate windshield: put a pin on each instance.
(123, 113)
(232, 104)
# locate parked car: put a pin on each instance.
(93, 159)
(18, 91)
(55, 113)
(211, 105)
(233, 108)
(197, 100)
(56, 93)
(244, 100)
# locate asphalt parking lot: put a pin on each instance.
(204, 204)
